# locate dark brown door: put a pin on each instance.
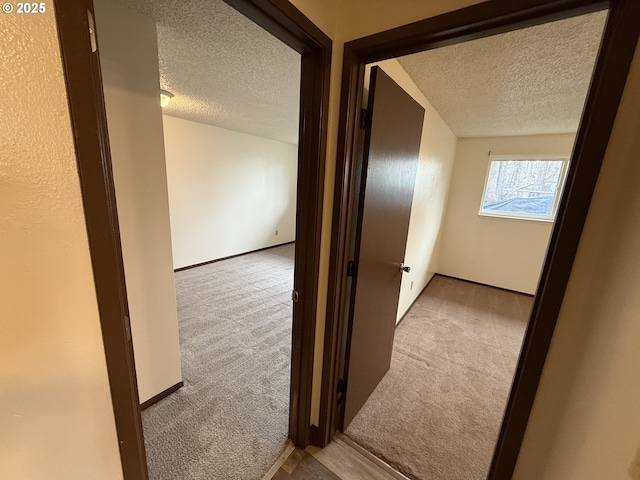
(390, 160)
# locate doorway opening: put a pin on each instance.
(82, 71)
(452, 29)
(219, 162)
(492, 150)
(211, 174)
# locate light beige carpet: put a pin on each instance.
(436, 414)
(230, 420)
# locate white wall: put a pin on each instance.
(437, 153)
(56, 417)
(228, 191)
(502, 252)
(129, 59)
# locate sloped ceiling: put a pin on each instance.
(530, 81)
(223, 69)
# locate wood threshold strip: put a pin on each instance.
(288, 449)
(340, 437)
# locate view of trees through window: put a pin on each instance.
(522, 188)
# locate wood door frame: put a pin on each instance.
(88, 120)
(492, 17)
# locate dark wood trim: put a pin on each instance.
(86, 104)
(481, 20)
(163, 394)
(287, 23)
(477, 21)
(88, 120)
(314, 437)
(344, 200)
(216, 260)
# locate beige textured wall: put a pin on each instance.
(358, 18)
(56, 418)
(503, 252)
(131, 79)
(323, 14)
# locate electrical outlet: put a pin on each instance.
(411, 287)
(276, 233)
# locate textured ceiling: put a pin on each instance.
(526, 82)
(223, 69)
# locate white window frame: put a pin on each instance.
(524, 216)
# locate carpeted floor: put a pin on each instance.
(436, 414)
(230, 419)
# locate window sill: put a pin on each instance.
(517, 217)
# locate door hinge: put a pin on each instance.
(342, 386)
(365, 119)
(352, 268)
(294, 295)
(92, 32)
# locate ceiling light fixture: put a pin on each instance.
(165, 98)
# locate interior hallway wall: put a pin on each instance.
(433, 175)
(56, 415)
(129, 60)
(228, 191)
(502, 252)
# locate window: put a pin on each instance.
(525, 187)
